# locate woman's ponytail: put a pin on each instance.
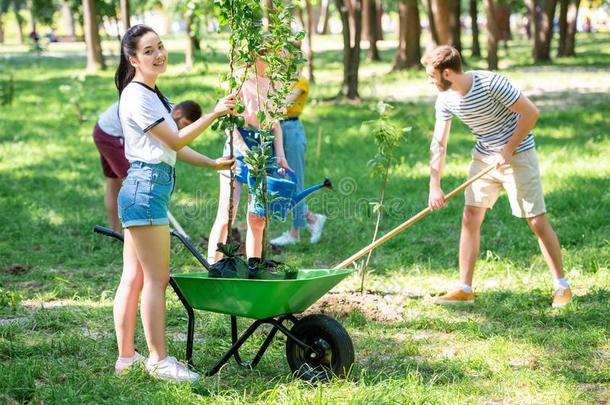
(124, 73)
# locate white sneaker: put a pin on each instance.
(172, 370)
(284, 239)
(316, 228)
(121, 366)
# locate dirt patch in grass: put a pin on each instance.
(374, 307)
(15, 269)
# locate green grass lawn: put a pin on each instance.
(57, 278)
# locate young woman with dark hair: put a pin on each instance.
(153, 142)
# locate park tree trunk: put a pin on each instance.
(571, 27)
(493, 35)
(1, 28)
(446, 16)
(309, 50)
(68, 20)
(543, 13)
(456, 27)
(503, 22)
(20, 36)
(95, 59)
(125, 16)
(351, 18)
(408, 54)
(322, 27)
(440, 14)
(190, 44)
(33, 21)
(370, 29)
(474, 16)
(431, 23)
(379, 24)
(563, 27)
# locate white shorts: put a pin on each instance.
(521, 180)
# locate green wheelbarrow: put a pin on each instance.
(317, 346)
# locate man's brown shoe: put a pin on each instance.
(562, 297)
(455, 297)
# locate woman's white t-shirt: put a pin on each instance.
(140, 110)
(109, 121)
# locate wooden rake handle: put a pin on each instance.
(409, 222)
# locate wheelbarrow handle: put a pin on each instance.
(410, 221)
(108, 232)
(191, 248)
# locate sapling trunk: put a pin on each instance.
(262, 171)
(266, 207)
(232, 128)
(379, 213)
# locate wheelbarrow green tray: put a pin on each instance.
(257, 299)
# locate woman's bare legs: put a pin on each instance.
(126, 298)
(219, 231)
(152, 246)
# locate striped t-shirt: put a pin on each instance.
(485, 109)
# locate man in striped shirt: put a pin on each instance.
(501, 119)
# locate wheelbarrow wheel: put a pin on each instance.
(331, 353)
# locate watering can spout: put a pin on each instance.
(303, 194)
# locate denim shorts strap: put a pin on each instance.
(289, 119)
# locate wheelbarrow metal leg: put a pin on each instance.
(190, 334)
(291, 318)
(235, 347)
(289, 334)
(261, 350)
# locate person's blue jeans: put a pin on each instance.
(295, 146)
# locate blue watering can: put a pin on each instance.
(282, 186)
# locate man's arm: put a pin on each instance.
(195, 158)
(178, 140)
(438, 152)
(529, 115)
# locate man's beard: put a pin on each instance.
(444, 85)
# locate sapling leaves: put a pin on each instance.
(247, 39)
